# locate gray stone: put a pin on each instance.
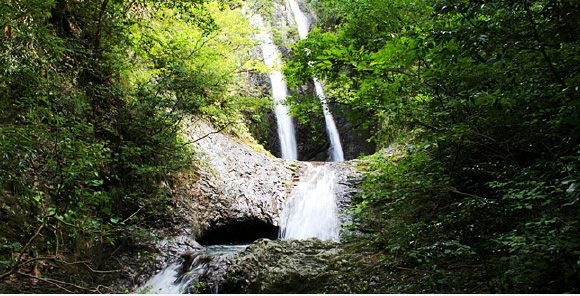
(235, 183)
(281, 266)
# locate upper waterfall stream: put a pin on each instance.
(336, 153)
(285, 125)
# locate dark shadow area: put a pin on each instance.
(239, 232)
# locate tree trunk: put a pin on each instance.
(59, 19)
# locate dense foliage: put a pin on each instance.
(480, 103)
(93, 94)
(476, 104)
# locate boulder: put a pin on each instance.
(279, 266)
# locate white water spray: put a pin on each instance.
(279, 91)
(311, 209)
(164, 282)
(206, 267)
(336, 153)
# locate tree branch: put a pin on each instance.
(57, 282)
(541, 46)
(18, 260)
(214, 132)
(465, 194)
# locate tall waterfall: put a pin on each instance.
(336, 153)
(311, 209)
(271, 55)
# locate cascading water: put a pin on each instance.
(271, 55)
(164, 282)
(311, 209)
(336, 153)
(200, 274)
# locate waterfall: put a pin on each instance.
(336, 153)
(311, 209)
(164, 282)
(271, 55)
(335, 146)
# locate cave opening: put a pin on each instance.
(238, 232)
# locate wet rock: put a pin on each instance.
(281, 266)
(154, 256)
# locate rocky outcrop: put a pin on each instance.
(314, 267)
(236, 189)
(282, 266)
(240, 191)
(348, 180)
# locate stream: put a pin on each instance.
(336, 153)
(271, 55)
(199, 273)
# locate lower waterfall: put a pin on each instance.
(311, 209)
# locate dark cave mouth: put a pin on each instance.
(239, 232)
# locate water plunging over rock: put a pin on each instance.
(336, 153)
(199, 271)
(235, 185)
(272, 59)
(236, 189)
(291, 265)
(311, 210)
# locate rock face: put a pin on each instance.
(237, 192)
(348, 179)
(282, 266)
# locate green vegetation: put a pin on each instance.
(93, 94)
(477, 102)
(474, 103)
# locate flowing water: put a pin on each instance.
(336, 153)
(311, 209)
(201, 274)
(272, 59)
